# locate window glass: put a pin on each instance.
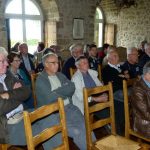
(24, 27)
(14, 7)
(33, 34)
(98, 28)
(30, 8)
(16, 31)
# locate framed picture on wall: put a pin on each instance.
(78, 28)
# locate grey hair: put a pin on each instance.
(130, 50)
(77, 62)
(3, 51)
(110, 52)
(73, 47)
(48, 55)
(146, 68)
(147, 45)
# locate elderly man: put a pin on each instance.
(131, 65)
(27, 64)
(113, 73)
(50, 85)
(12, 94)
(76, 51)
(85, 77)
(145, 57)
(140, 103)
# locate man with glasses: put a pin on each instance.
(50, 85)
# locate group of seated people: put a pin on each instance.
(52, 82)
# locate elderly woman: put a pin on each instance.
(14, 63)
(140, 103)
(85, 77)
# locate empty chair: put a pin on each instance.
(128, 130)
(29, 118)
(110, 142)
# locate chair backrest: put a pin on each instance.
(128, 130)
(3, 146)
(72, 71)
(29, 118)
(99, 70)
(33, 79)
(89, 110)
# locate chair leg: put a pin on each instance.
(3, 146)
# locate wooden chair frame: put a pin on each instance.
(128, 130)
(90, 126)
(33, 79)
(39, 113)
(99, 69)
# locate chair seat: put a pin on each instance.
(113, 142)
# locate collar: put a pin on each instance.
(117, 67)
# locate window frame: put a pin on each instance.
(25, 17)
(97, 21)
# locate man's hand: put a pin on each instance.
(5, 95)
(17, 85)
(101, 98)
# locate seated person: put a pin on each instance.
(27, 60)
(50, 85)
(131, 65)
(76, 51)
(140, 103)
(102, 52)
(93, 60)
(113, 73)
(14, 63)
(110, 48)
(39, 53)
(12, 94)
(145, 57)
(40, 66)
(85, 77)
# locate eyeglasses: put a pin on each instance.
(54, 62)
(17, 60)
(3, 61)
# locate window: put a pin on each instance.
(25, 22)
(98, 28)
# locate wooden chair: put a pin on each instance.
(99, 70)
(33, 79)
(3, 146)
(39, 113)
(72, 71)
(128, 130)
(108, 141)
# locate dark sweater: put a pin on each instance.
(110, 74)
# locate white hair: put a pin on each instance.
(48, 55)
(130, 50)
(3, 51)
(73, 47)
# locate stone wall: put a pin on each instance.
(132, 24)
(62, 13)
